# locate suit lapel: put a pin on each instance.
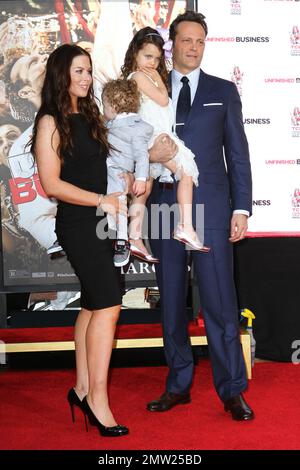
(200, 97)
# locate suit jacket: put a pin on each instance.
(129, 137)
(214, 131)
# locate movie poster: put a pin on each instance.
(29, 31)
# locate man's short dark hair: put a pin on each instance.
(191, 16)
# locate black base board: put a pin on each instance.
(52, 318)
(141, 357)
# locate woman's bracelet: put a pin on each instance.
(100, 199)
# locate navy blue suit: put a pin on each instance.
(214, 129)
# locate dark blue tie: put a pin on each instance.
(183, 105)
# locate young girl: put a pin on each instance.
(144, 63)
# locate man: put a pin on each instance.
(212, 127)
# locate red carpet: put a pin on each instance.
(34, 412)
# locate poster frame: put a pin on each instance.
(22, 287)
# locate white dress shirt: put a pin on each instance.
(177, 84)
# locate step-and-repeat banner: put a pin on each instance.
(29, 31)
(255, 43)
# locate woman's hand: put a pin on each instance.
(113, 204)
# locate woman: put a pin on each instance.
(70, 145)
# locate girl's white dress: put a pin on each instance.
(162, 119)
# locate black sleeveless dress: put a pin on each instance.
(90, 256)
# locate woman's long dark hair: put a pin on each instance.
(56, 100)
(145, 36)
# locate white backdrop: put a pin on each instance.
(256, 44)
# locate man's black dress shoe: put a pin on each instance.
(168, 400)
(239, 409)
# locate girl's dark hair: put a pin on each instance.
(56, 100)
(145, 36)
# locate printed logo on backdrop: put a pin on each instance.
(295, 121)
(237, 78)
(296, 204)
(279, 162)
(242, 39)
(257, 121)
(261, 202)
(235, 7)
(220, 39)
(295, 40)
(255, 39)
(281, 80)
(282, 1)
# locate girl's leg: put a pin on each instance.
(99, 341)
(185, 198)
(82, 381)
(136, 213)
(185, 231)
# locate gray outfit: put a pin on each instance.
(129, 136)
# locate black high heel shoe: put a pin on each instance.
(74, 400)
(112, 431)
